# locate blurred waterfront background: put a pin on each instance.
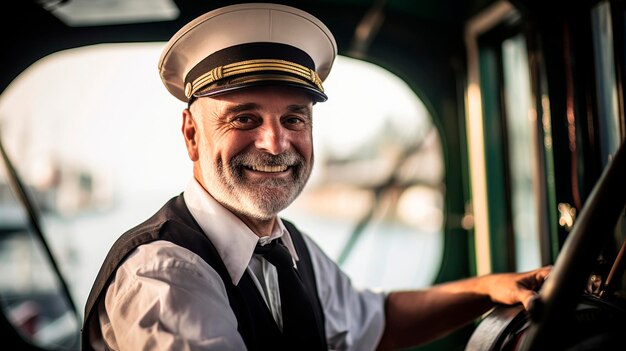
(95, 137)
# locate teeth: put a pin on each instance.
(269, 169)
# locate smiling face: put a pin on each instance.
(252, 149)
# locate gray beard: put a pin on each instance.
(262, 199)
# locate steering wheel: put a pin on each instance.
(563, 316)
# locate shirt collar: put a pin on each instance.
(232, 238)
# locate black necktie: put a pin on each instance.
(300, 328)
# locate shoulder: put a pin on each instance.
(167, 261)
(170, 222)
(161, 254)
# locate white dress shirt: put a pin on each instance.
(165, 297)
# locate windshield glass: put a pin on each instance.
(96, 138)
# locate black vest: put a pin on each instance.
(174, 223)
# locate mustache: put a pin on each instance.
(248, 159)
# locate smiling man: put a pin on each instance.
(252, 150)
(216, 268)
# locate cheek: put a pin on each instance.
(208, 151)
(304, 146)
(226, 147)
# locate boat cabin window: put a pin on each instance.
(96, 139)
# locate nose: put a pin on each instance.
(272, 138)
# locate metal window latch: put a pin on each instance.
(567, 216)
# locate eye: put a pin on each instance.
(294, 122)
(245, 122)
(243, 119)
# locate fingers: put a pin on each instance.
(528, 294)
(534, 279)
(512, 288)
(527, 297)
(543, 273)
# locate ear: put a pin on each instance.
(190, 131)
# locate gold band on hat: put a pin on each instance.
(251, 66)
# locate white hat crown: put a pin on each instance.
(241, 24)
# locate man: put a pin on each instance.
(215, 268)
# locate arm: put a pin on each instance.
(415, 317)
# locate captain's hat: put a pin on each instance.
(246, 45)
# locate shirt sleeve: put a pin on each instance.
(164, 297)
(354, 318)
